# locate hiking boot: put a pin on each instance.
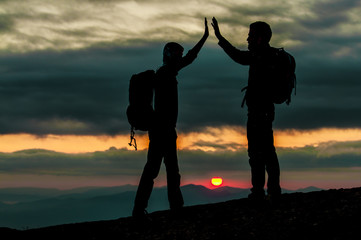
(256, 196)
(273, 199)
(177, 213)
(140, 214)
(257, 199)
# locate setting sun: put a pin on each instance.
(217, 181)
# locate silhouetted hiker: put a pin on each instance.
(163, 134)
(261, 110)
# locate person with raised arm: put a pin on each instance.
(163, 135)
(261, 109)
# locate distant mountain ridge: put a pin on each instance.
(327, 214)
(23, 208)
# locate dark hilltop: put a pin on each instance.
(328, 214)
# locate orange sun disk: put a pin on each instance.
(217, 181)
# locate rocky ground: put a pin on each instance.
(331, 214)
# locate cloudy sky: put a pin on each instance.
(65, 67)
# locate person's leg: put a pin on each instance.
(173, 177)
(273, 171)
(266, 150)
(150, 172)
(272, 167)
(256, 156)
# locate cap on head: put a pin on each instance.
(172, 51)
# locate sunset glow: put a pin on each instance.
(212, 139)
(68, 143)
(217, 181)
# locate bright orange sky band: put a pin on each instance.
(232, 138)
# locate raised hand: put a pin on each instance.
(206, 31)
(216, 27)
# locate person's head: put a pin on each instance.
(172, 53)
(260, 34)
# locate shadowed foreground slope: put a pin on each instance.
(331, 214)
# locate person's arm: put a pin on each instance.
(193, 53)
(241, 57)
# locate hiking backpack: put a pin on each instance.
(283, 76)
(140, 111)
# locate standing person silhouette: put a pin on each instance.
(261, 110)
(163, 134)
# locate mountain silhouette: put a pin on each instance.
(25, 208)
(327, 214)
(33, 208)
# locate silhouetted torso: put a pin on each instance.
(166, 96)
(166, 91)
(259, 81)
(259, 62)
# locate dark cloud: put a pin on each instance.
(327, 14)
(86, 91)
(114, 161)
(6, 23)
(43, 162)
(327, 94)
(88, 87)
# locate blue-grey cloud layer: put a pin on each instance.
(86, 92)
(120, 162)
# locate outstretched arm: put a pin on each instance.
(192, 54)
(201, 42)
(242, 57)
